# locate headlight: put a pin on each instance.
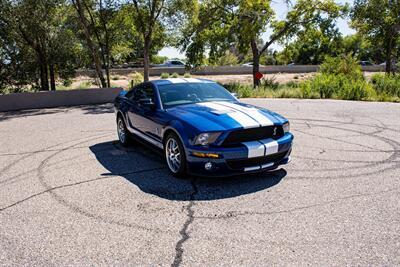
(286, 127)
(206, 138)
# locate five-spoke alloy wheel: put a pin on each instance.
(175, 155)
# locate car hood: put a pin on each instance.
(223, 116)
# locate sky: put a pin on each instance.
(281, 9)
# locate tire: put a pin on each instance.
(175, 156)
(124, 135)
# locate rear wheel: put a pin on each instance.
(123, 133)
(175, 155)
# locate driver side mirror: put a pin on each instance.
(147, 103)
(235, 95)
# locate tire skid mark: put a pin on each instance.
(235, 214)
(76, 209)
(391, 160)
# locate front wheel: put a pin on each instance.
(123, 133)
(175, 155)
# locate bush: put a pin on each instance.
(164, 75)
(346, 65)
(187, 75)
(115, 78)
(175, 75)
(386, 84)
(136, 78)
(270, 83)
(67, 82)
(337, 86)
(241, 89)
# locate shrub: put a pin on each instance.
(337, 86)
(136, 78)
(175, 75)
(164, 75)
(241, 89)
(67, 82)
(115, 78)
(386, 84)
(187, 75)
(270, 83)
(346, 65)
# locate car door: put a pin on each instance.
(143, 116)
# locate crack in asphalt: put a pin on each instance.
(184, 230)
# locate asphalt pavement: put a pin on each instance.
(71, 195)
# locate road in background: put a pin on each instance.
(71, 195)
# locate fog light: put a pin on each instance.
(208, 166)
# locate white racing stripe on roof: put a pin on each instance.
(241, 118)
(192, 80)
(176, 80)
(252, 112)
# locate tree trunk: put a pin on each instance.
(52, 78)
(389, 56)
(256, 63)
(44, 83)
(44, 80)
(146, 59)
(92, 47)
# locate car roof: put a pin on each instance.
(180, 80)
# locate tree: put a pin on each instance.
(34, 39)
(152, 17)
(88, 25)
(314, 42)
(244, 21)
(379, 20)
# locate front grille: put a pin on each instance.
(253, 134)
(240, 164)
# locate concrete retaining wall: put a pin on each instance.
(223, 70)
(53, 99)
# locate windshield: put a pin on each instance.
(190, 93)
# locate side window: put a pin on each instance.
(176, 63)
(130, 94)
(144, 91)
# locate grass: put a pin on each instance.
(357, 91)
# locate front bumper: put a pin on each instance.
(246, 158)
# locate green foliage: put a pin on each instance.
(337, 86)
(187, 75)
(339, 78)
(388, 85)
(136, 78)
(156, 59)
(67, 82)
(379, 22)
(175, 75)
(228, 59)
(164, 75)
(270, 83)
(345, 65)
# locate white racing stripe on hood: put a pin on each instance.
(241, 118)
(252, 112)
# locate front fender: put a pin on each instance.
(185, 132)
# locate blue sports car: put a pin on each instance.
(202, 128)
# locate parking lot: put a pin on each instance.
(71, 195)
